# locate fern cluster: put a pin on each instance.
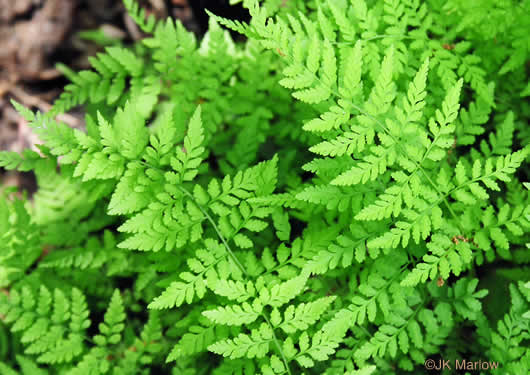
(342, 193)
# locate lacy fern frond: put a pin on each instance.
(342, 191)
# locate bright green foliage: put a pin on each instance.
(53, 325)
(506, 338)
(20, 242)
(343, 192)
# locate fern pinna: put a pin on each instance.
(341, 193)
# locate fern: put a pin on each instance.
(53, 325)
(338, 193)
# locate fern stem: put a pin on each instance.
(241, 268)
(236, 261)
(380, 36)
(212, 222)
(276, 342)
(418, 165)
(444, 198)
(221, 237)
(383, 127)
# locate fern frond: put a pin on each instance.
(138, 14)
(257, 344)
(53, 327)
